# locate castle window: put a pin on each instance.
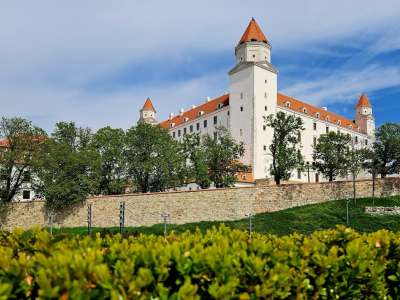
(220, 105)
(265, 148)
(215, 120)
(26, 195)
(191, 128)
(241, 108)
(179, 133)
(287, 104)
(173, 134)
(264, 127)
(366, 142)
(198, 126)
(304, 110)
(315, 126)
(315, 141)
(184, 131)
(339, 122)
(241, 95)
(327, 129)
(265, 108)
(205, 124)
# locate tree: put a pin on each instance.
(20, 145)
(285, 145)
(354, 164)
(331, 153)
(387, 149)
(372, 165)
(196, 156)
(69, 167)
(222, 157)
(156, 162)
(109, 144)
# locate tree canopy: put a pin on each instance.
(21, 144)
(285, 146)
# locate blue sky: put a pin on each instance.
(95, 62)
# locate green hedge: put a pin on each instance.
(219, 264)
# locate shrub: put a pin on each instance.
(219, 264)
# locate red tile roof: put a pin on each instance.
(148, 105)
(283, 101)
(297, 105)
(364, 101)
(194, 113)
(253, 33)
(4, 143)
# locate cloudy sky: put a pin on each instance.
(95, 62)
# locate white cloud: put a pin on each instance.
(52, 49)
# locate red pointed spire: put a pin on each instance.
(364, 101)
(148, 105)
(253, 33)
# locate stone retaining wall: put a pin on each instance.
(194, 206)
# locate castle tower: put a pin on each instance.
(148, 113)
(253, 95)
(364, 117)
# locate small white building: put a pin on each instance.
(253, 94)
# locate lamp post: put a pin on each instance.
(308, 171)
(165, 216)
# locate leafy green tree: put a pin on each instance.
(285, 145)
(331, 155)
(69, 167)
(156, 162)
(222, 157)
(196, 156)
(20, 146)
(355, 159)
(387, 149)
(109, 144)
(372, 165)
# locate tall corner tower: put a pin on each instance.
(364, 116)
(252, 96)
(148, 113)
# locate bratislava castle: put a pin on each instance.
(253, 94)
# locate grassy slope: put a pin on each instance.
(305, 219)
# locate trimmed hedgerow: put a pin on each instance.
(219, 264)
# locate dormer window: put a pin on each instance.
(317, 115)
(171, 125)
(287, 104)
(327, 118)
(305, 110)
(200, 113)
(339, 122)
(185, 119)
(220, 105)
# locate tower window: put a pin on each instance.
(184, 131)
(205, 123)
(241, 108)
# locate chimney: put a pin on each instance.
(171, 115)
(325, 108)
(181, 111)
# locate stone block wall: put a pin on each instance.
(194, 206)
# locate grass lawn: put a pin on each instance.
(305, 219)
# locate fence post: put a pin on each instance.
(121, 216)
(89, 218)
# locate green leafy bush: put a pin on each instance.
(219, 264)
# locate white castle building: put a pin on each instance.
(253, 94)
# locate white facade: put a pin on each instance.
(253, 95)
